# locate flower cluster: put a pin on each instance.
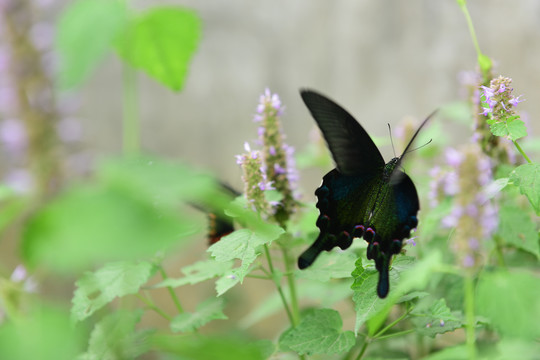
(473, 215)
(32, 118)
(498, 99)
(493, 103)
(14, 292)
(255, 180)
(277, 164)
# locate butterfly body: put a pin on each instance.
(362, 196)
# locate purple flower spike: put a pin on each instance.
(486, 111)
(488, 92)
(515, 100)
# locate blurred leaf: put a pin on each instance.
(229, 280)
(211, 309)
(512, 128)
(164, 183)
(243, 244)
(97, 289)
(508, 348)
(367, 303)
(527, 178)
(329, 265)
(161, 42)
(319, 332)
(45, 333)
(114, 338)
(437, 319)
(430, 222)
(12, 206)
(86, 30)
(94, 223)
(495, 187)
(499, 291)
(450, 353)
(199, 347)
(405, 276)
(327, 294)
(518, 229)
(198, 272)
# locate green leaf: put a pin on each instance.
(518, 229)
(319, 332)
(97, 289)
(161, 42)
(512, 128)
(243, 244)
(43, 333)
(95, 223)
(459, 352)
(327, 295)
(114, 338)
(411, 275)
(229, 280)
(437, 319)
(198, 347)
(86, 30)
(11, 206)
(508, 348)
(366, 302)
(329, 265)
(198, 272)
(211, 309)
(164, 183)
(499, 291)
(527, 178)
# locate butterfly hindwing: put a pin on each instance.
(363, 196)
(352, 149)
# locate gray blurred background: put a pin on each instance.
(382, 60)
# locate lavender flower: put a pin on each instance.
(499, 99)
(494, 103)
(255, 181)
(473, 215)
(278, 156)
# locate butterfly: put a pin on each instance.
(363, 196)
(219, 223)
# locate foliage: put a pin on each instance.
(112, 236)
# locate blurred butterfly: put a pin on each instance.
(219, 223)
(362, 196)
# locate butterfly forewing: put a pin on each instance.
(352, 149)
(363, 196)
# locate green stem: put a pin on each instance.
(171, 292)
(363, 350)
(469, 316)
(521, 151)
(292, 286)
(483, 61)
(152, 306)
(399, 333)
(278, 286)
(392, 324)
(131, 124)
(498, 251)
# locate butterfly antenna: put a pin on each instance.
(391, 140)
(418, 148)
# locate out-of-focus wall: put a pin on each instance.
(382, 60)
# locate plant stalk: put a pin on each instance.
(469, 316)
(131, 123)
(171, 292)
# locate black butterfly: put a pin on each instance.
(362, 196)
(219, 223)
